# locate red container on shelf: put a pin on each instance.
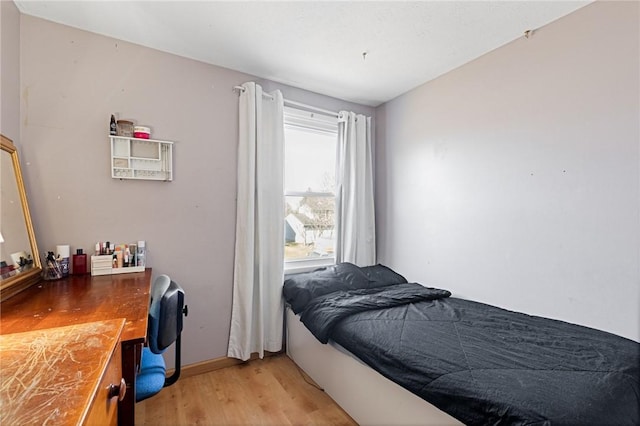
(141, 132)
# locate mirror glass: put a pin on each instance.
(20, 263)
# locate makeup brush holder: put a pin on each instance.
(52, 270)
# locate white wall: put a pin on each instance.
(514, 179)
(71, 81)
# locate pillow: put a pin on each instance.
(300, 289)
(382, 275)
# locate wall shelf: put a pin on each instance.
(144, 159)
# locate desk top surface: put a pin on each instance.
(50, 376)
(80, 299)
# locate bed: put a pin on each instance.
(392, 352)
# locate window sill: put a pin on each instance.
(300, 266)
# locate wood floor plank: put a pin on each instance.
(268, 392)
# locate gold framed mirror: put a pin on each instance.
(20, 267)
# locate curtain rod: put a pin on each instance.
(298, 104)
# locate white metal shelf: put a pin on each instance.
(143, 159)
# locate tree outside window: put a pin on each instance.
(310, 153)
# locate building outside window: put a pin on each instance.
(309, 176)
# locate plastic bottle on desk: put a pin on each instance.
(141, 254)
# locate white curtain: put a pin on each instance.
(257, 310)
(355, 216)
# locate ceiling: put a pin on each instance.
(366, 52)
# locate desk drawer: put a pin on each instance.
(104, 409)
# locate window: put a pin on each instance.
(310, 141)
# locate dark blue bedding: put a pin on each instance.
(482, 364)
(324, 312)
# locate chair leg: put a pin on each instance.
(176, 373)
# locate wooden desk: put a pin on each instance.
(81, 299)
(61, 375)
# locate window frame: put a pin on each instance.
(312, 122)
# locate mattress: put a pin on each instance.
(368, 397)
(479, 363)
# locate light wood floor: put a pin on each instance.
(271, 391)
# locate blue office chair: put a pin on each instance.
(164, 328)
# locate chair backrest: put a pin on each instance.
(165, 314)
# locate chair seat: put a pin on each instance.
(164, 326)
(150, 379)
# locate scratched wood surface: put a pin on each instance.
(81, 298)
(50, 376)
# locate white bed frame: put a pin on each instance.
(367, 396)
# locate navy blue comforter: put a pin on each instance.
(482, 364)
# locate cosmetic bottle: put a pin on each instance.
(133, 251)
(79, 263)
(62, 256)
(141, 254)
(119, 258)
(112, 126)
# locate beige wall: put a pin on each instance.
(514, 179)
(10, 211)
(71, 81)
(510, 178)
(10, 71)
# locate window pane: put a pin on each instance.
(309, 227)
(310, 161)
